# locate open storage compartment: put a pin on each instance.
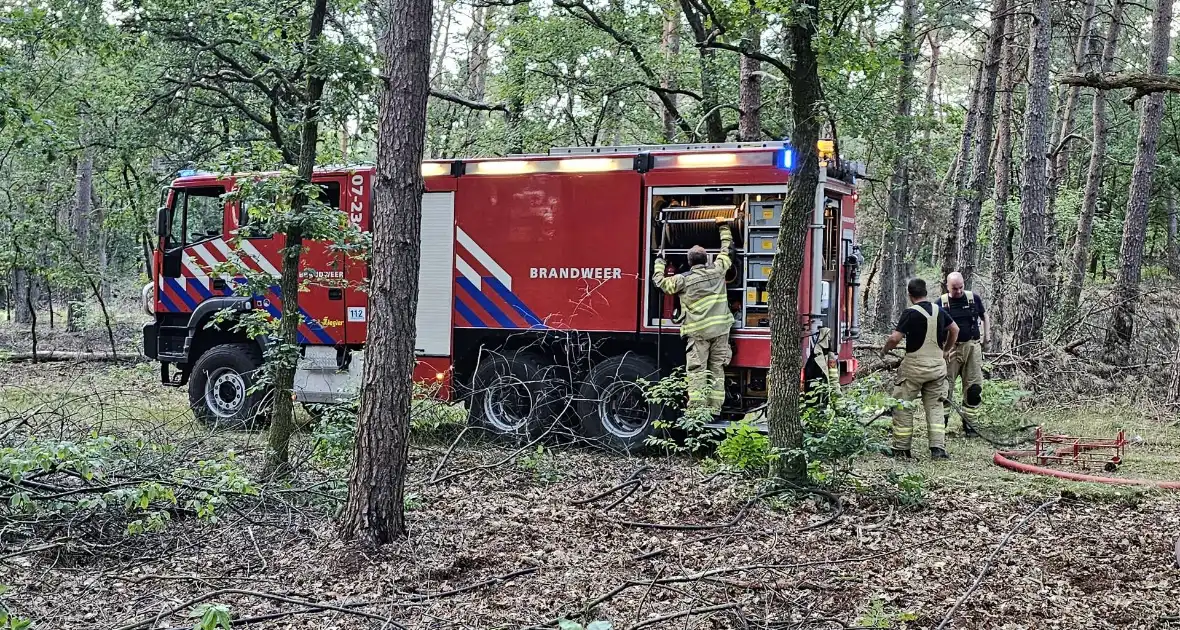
(682, 218)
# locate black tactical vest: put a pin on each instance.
(963, 311)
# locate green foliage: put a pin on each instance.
(566, 624)
(746, 449)
(881, 615)
(911, 487)
(212, 617)
(671, 392)
(1000, 403)
(56, 479)
(9, 620)
(334, 428)
(540, 464)
(834, 428)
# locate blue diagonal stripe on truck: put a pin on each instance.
(492, 309)
(514, 302)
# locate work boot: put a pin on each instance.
(969, 431)
(898, 454)
(938, 453)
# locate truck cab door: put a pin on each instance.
(321, 272)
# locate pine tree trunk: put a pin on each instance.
(786, 327)
(977, 186)
(479, 40)
(1082, 54)
(375, 511)
(950, 245)
(711, 97)
(80, 222)
(1126, 288)
(515, 77)
(1003, 187)
(1035, 284)
(895, 238)
(750, 88)
(282, 416)
(670, 47)
(1094, 173)
(27, 295)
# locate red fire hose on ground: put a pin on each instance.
(1080, 451)
(1003, 458)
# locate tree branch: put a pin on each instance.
(468, 103)
(1142, 84)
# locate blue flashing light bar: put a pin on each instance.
(784, 158)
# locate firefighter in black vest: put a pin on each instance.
(966, 360)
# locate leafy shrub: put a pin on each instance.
(911, 487)
(128, 481)
(211, 617)
(566, 624)
(834, 428)
(334, 430)
(746, 449)
(540, 463)
(672, 393)
(9, 620)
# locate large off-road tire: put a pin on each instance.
(219, 388)
(513, 395)
(611, 403)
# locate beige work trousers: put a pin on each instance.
(966, 361)
(925, 378)
(705, 363)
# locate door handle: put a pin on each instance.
(335, 294)
(219, 284)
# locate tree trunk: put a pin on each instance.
(1094, 173)
(479, 40)
(25, 288)
(1126, 287)
(1033, 294)
(950, 246)
(932, 85)
(711, 97)
(1003, 187)
(750, 89)
(375, 510)
(80, 222)
(282, 417)
(670, 47)
(1082, 54)
(895, 239)
(786, 327)
(977, 186)
(515, 83)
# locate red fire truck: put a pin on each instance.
(535, 302)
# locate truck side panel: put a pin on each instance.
(548, 250)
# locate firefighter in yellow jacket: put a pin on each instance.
(707, 319)
(930, 336)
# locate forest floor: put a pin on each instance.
(504, 538)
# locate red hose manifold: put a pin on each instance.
(1003, 458)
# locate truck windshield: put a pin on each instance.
(196, 215)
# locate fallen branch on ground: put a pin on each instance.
(987, 564)
(313, 607)
(684, 613)
(21, 357)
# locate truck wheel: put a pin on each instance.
(513, 396)
(219, 387)
(612, 404)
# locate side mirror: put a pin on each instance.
(162, 222)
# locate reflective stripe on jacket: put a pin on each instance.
(702, 293)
